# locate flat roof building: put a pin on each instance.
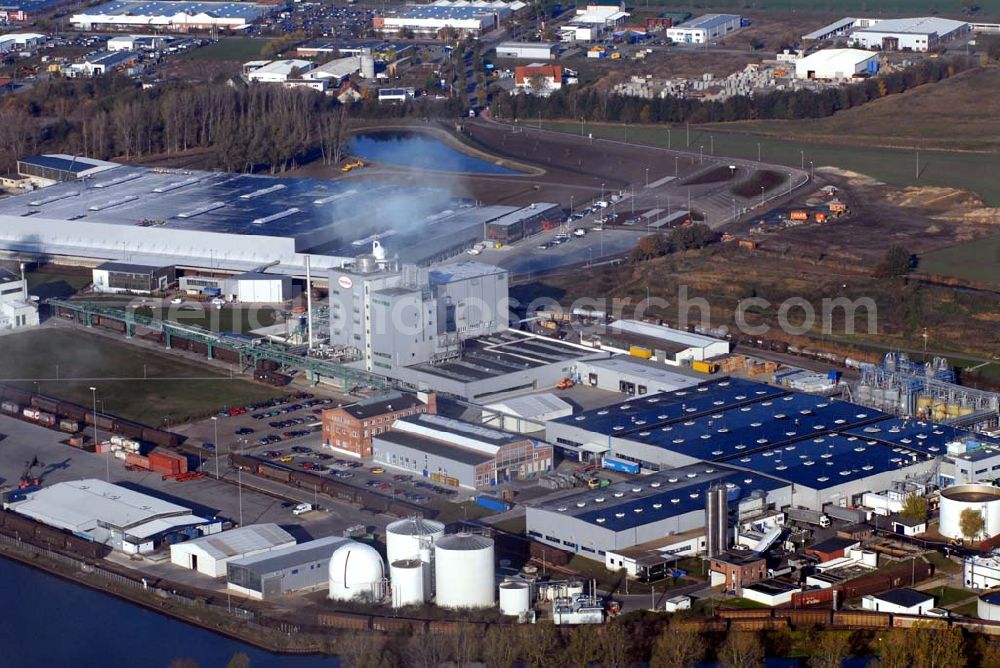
(272, 574)
(46, 170)
(836, 64)
(524, 222)
(526, 413)
(460, 454)
(122, 277)
(174, 16)
(668, 345)
(429, 20)
(704, 29)
(910, 34)
(278, 71)
(116, 516)
(17, 309)
(899, 601)
(211, 554)
(634, 376)
(526, 50)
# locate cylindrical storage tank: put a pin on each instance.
(464, 571)
(356, 572)
(515, 598)
(574, 588)
(404, 538)
(988, 607)
(982, 498)
(407, 578)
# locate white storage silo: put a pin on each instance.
(404, 538)
(978, 497)
(356, 571)
(464, 570)
(515, 598)
(407, 578)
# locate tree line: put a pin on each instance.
(591, 104)
(247, 128)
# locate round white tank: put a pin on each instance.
(404, 538)
(574, 588)
(464, 571)
(988, 607)
(957, 498)
(356, 571)
(515, 598)
(407, 578)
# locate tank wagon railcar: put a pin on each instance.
(330, 486)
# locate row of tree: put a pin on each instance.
(594, 104)
(685, 237)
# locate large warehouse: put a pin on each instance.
(913, 34)
(229, 222)
(271, 574)
(116, 516)
(836, 64)
(630, 513)
(667, 345)
(526, 50)
(173, 16)
(634, 376)
(211, 554)
(704, 29)
(460, 454)
(429, 20)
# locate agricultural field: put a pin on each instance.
(966, 171)
(131, 382)
(909, 120)
(228, 48)
(977, 261)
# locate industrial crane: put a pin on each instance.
(27, 480)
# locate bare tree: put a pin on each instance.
(742, 649)
(465, 648)
(499, 649)
(18, 133)
(894, 649)
(427, 651)
(361, 650)
(583, 648)
(539, 644)
(830, 649)
(679, 646)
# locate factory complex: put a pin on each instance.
(905, 34)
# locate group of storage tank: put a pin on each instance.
(409, 546)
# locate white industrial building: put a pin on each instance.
(136, 43)
(911, 34)
(277, 71)
(633, 375)
(836, 64)
(272, 574)
(211, 554)
(704, 29)
(591, 22)
(171, 16)
(17, 309)
(47, 170)
(21, 41)
(251, 287)
(526, 413)
(105, 62)
(899, 601)
(429, 20)
(668, 345)
(116, 516)
(337, 70)
(526, 50)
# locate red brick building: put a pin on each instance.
(350, 428)
(737, 569)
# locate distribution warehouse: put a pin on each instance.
(176, 16)
(235, 222)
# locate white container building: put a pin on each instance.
(464, 571)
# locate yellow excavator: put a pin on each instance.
(354, 164)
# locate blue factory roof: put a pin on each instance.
(245, 10)
(58, 162)
(826, 461)
(768, 423)
(647, 413)
(926, 437)
(658, 496)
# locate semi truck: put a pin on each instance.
(806, 516)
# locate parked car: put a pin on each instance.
(302, 509)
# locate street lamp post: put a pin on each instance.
(215, 427)
(762, 195)
(602, 192)
(107, 456)
(802, 159)
(647, 177)
(571, 205)
(701, 154)
(812, 171)
(668, 139)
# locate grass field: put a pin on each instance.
(977, 260)
(968, 171)
(131, 382)
(911, 119)
(947, 596)
(848, 7)
(228, 48)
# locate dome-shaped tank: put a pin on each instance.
(407, 577)
(356, 571)
(404, 538)
(464, 570)
(515, 598)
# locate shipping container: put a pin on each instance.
(164, 461)
(10, 408)
(69, 426)
(704, 367)
(620, 466)
(639, 351)
(492, 503)
(139, 461)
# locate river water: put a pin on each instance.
(48, 621)
(416, 149)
